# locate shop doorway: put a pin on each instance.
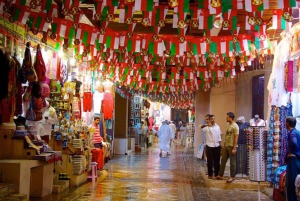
(258, 90)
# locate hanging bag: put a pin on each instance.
(30, 114)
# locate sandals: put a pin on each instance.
(219, 177)
(230, 180)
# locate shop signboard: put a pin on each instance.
(16, 30)
(53, 45)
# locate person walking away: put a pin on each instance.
(229, 150)
(165, 134)
(293, 158)
(213, 146)
(183, 133)
(172, 125)
(145, 133)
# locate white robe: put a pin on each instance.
(165, 134)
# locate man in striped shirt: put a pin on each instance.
(97, 139)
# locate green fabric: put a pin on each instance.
(48, 5)
(38, 22)
(71, 33)
(232, 130)
(195, 49)
(30, 22)
(108, 42)
(115, 2)
(149, 6)
(17, 14)
(200, 4)
(210, 21)
(186, 7)
(157, 16)
(234, 23)
(53, 28)
(213, 47)
(151, 48)
(23, 2)
(85, 37)
(129, 45)
(173, 49)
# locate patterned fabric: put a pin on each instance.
(275, 162)
(288, 76)
(283, 134)
(277, 174)
(270, 144)
(256, 143)
(295, 77)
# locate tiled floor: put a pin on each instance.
(146, 176)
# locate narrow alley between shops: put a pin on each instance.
(146, 176)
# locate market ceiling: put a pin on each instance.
(163, 49)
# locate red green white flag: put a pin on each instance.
(143, 5)
(21, 14)
(286, 4)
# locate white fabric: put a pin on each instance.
(276, 81)
(259, 122)
(165, 135)
(183, 130)
(173, 128)
(97, 97)
(213, 135)
(298, 123)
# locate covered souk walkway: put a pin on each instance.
(146, 176)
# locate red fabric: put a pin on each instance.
(58, 69)
(40, 67)
(107, 106)
(87, 101)
(5, 110)
(150, 123)
(97, 156)
(290, 76)
(278, 196)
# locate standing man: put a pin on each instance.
(165, 134)
(293, 158)
(97, 139)
(213, 146)
(229, 150)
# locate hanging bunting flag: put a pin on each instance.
(250, 21)
(97, 11)
(286, 4)
(20, 13)
(253, 6)
(215, 7)
(39, 22)
(46, 5)
(62, 28)
(87, 34)
(144, 5)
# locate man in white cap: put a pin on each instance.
(165, 135)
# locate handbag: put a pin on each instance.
(30, 114)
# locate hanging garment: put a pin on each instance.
(5, 110)
(283, 135)
(4, 70)
(270, 144)
(98, 97)
(39, 65)
(107, 106)
(87, 101)
(19, 90)
(241, 153)
(288, 76)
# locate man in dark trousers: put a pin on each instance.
(293, 158)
